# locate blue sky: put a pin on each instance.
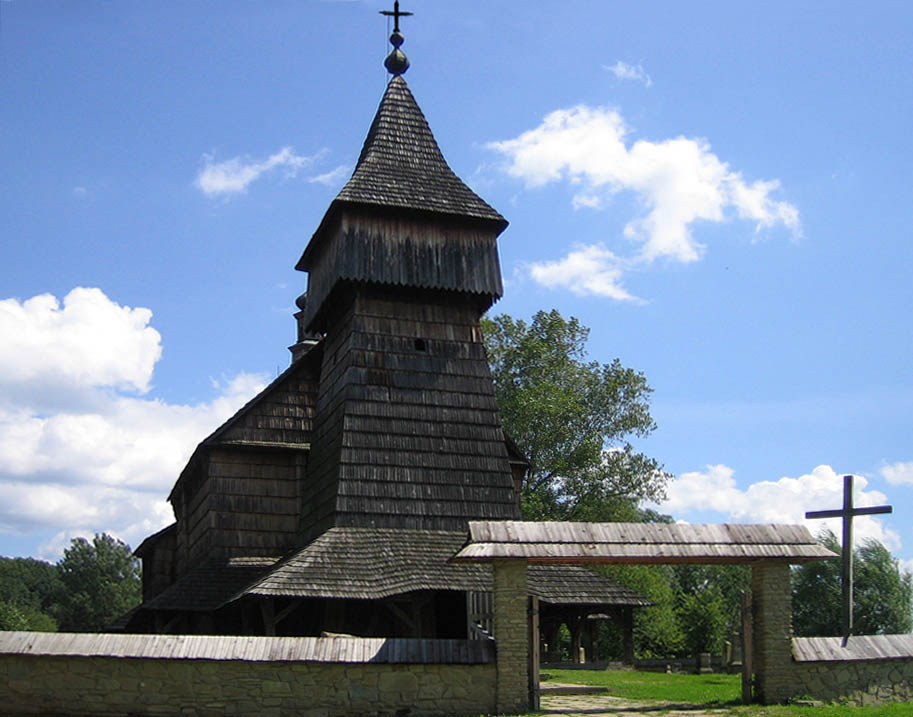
(720, 191)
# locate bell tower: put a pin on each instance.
(400, 270)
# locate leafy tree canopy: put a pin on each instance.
(882, 593)
(573, 419)
(102, 579)
(26, 582)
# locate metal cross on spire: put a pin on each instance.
(847, 513)
(396, 15)
(397, 62)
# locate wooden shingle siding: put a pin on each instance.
(255, 511)
(425, 253)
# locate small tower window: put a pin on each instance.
(421, 345)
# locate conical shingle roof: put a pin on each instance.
(401, 164)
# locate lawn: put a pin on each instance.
(711, 691)
(633, 684)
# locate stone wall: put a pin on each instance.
(866, 669)
(108, 685)
(861, 683)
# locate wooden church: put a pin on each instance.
(333, 500)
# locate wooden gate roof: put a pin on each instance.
(657, 543)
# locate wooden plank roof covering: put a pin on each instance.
(401, 166)
(250, 649)
(377, 563)
(279, 417)
(574, 585)
(281, 414)
(211, 584)
(858, 647)
(604, 543)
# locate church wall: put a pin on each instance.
(318, 489)
(158, 565)
(412, 435)
(253, 502)
(245, 504)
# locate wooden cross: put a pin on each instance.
(396, 15)
(847, 513)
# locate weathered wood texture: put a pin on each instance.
(403, 251)
(158, 553)
(376, 563)
(658, 543)
(857, 648)
(411, 435)
(210, 584)
(250, 649)
(401, 167)
(238, 495)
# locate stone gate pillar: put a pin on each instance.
(511, 636)
(771, 598)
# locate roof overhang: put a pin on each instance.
(638, 543)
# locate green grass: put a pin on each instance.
(711, 691)
(693, 689)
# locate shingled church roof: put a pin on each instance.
(401, 167)
(365, 563)
(375, 563)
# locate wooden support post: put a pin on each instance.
(746, 647)
(534, 653)
(576, 628)
(627, 618)
(269, 620)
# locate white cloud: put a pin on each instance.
(95, 459)
(90, 341)
(333, 177)
(898, 473)
(782, 501)
(585, 270)
(233, 176)
(679, 181)
(624, 71)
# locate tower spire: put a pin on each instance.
(397, 62)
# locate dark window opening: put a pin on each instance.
(420, 345)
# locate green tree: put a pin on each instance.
(34, 588)
(573, 419)
(882, 593)
(709, 602)
(11, 617)
(657, 629)
(703, 620)
(102, 579)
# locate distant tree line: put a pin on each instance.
(89, 587)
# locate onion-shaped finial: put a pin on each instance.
(397, 62)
